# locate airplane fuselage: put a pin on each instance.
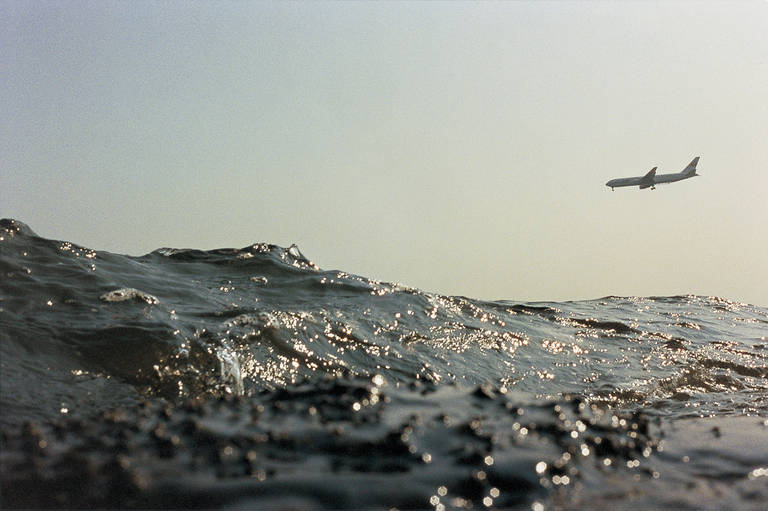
(638, 181)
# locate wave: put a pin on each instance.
(233, 364)
(183, 323)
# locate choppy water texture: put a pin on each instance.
(251, 379)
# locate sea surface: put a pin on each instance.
(252, 379)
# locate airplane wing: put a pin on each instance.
(647, 180)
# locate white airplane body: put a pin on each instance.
(650, 180)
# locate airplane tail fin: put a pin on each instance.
(690, 170)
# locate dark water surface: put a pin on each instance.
(251, 379)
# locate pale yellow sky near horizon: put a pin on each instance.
(460, 148)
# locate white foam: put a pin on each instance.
(127, 294)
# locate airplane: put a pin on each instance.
(650, 180)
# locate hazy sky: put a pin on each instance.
(455, 147)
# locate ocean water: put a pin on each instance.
(252, 379)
